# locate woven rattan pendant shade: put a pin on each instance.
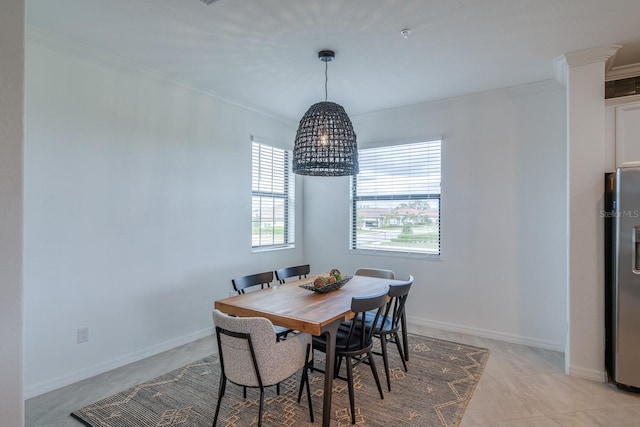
(325, 143)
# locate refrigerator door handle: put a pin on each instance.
(635, 249)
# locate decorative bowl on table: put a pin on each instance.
(322, 284)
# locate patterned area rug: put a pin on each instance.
(435, 392)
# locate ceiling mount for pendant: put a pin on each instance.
(326, 55)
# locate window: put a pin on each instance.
(272, 198)
(396, 199)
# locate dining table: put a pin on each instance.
(295, 307)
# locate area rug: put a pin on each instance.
(434, 392)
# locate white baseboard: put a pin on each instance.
(413, 324)
(485, 333)
(99, 368)
(588, 374)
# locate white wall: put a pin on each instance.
(11, 206)
(137, 211)
(502, 272)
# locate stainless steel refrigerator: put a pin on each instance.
(622, 277)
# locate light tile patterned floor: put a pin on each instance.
(526, 387)
(521, 387)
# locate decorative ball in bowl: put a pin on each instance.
(323, 284)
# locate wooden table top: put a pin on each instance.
(300, 309)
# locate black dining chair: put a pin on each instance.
(388, 274)
(240, 284)
(299, 270)
(387, 326)
(354, 342)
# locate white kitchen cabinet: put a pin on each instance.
(628, 135)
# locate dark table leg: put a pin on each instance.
(329, 332)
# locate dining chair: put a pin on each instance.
(250, 356)
(354, 342)
(375, 272)
(387, 326)
(240, 284)
(388, 274)
(299, 270)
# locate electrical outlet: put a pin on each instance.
(83, 335)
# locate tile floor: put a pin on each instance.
(521, 387)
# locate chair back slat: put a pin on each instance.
(298, 270)
(244, 282)
(375, 272)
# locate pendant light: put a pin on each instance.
(325, 143)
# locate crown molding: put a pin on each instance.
(593, 55)
(577, 58)
(524, 89)
(623, 72)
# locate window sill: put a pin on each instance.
(271, 248)
(411, 255)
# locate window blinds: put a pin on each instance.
(396, 199)
(272, 197)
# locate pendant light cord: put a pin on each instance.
(326, 79)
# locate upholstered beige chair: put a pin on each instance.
(251, 356)
(375, 272)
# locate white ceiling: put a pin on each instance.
(263, 53)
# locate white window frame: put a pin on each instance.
(272, 184)
(408, 173)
